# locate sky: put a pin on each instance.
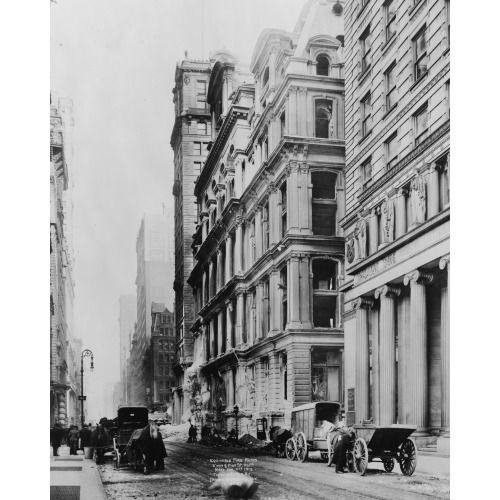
(116, 59)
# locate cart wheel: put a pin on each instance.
(291, 449)
(360, 456)
(388, 464)
(408, 457)
(301, 447)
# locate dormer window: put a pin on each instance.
(322, 65)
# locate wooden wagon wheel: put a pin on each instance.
(291, 449)
(388, 464)
(360, 456)
(408, 457)
(301, 447)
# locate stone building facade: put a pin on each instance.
(126, 320)
(65, 348)
(189, 140)
(397, 221)
(162, 353)
(269, 249)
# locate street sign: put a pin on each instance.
(82, 398)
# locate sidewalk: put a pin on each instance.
(74, 477)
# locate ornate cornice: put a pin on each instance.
(418, 278)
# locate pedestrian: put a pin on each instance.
(192, 434)
(85, 437)
(74, 436)
(100, 440)
(56, 435)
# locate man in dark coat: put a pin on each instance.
(56, 435)
(85, 437)
(74, 436)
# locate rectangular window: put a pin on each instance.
(197, 167)
(390, 19)
(390, 87)
(366, 115)
(326, 368)
(366, 50)
(391, 151)
(420, 125)
(366, 173)
(197, 148)
(202, 128)
(420, 58)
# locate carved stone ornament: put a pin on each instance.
(360, 237)
(387, 220)
(418, 277)
(349, 251)
(444, 262)
(418, 199)
(387, 290)
(186, 80)
(362, 303)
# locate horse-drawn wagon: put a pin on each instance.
(129, 419)
(308, 432)
(384, 444)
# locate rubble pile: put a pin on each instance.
(175, 433)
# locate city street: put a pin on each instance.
(190, 469)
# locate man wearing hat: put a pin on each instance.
(56, 435)
(85, 437)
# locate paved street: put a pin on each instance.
(190, 468)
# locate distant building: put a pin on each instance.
(153, 283)
(397, 222)
(191, 136)
(126, 320)
(65, 348)
(162, 355)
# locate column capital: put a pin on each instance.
(387, 291)
(418, 277)
(444, 262)
(362, 303)
(229, 305)
(229, 237)
(219, 250)
(402, 191)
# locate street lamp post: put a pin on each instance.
(85, 353)
(236, 411)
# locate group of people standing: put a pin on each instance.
(78, 439)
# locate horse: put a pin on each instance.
(279, 437)
(145, 447)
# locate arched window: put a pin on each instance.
(324, 203)
(322, 66)
(322, 117)
(265, 78)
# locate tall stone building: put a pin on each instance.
(190, 138)
(269, 248)
(126, 321)
(162, 354)
(152, 281)
(397, 221)
(65, 348)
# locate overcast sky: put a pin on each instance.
(115, 59)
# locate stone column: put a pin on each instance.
(292, 116)
(238, 327)
(211, 337)
(304, 288)
(294, 196)
(238, 249)
(373, 231)
(301, 111)
(418, 404)
(274, 216)
(304, 199)
(362, 394)
(274, 381)
(230, 386)
(204, 298)
(433, 190)
(220, 331)
(401, 213)
(220, 270)
(258, 233)
(275, 300)
(229, 325)
(229, 258)
(259, 334)
(444, 263)
(294, 292)
(204, 226)
(211, 279)
(387, 353)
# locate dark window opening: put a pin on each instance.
(322, 66)
(283, 200)
(324, 311)
(322, 115)
(324, 204)
(265, 78)
(284, 296)
(324, 274)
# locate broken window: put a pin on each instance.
(322, 117)
(325, 295)
(322, 65)
(324, 203)
(326, 366)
